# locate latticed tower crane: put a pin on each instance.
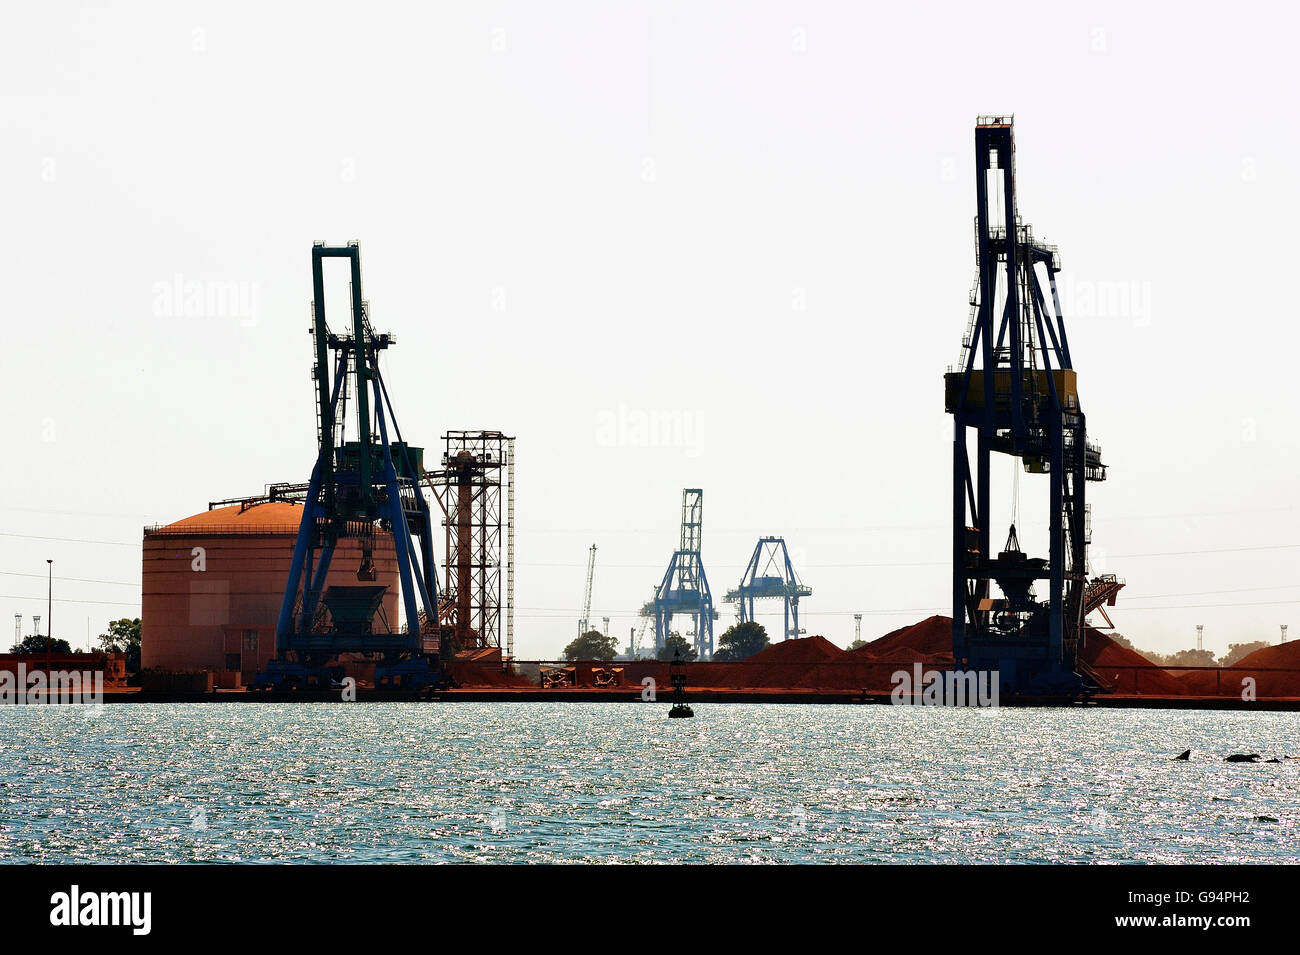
(768, 575)
(685, 588)
(360, 489)
(1016, 388)
(585, 623)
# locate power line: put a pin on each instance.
(79, 580)
(69, 600)
(1203, 593)
(542, 612)
(861, 528)
(855, 564)
(1217, 550)
(62, 513)
(71, 540)
(1248, 603)
(945, 563)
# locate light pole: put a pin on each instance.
(49, 618)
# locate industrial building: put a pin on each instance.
(213, 583)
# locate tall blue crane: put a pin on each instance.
(1017, 389)
(769, 574)
(685, 588)
(363, 488)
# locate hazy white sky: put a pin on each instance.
(749, 223)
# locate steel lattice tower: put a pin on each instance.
(468, 491)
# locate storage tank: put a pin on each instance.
(213, 583)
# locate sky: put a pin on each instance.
(714, 245)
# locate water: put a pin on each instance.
(621, 782)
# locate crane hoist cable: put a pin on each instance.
(1015, 490)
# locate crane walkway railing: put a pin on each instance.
(1101, 590)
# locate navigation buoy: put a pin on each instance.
(681, 709)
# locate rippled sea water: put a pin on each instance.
(521, 782)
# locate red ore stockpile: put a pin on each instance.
(1275, 672)
(814, 665)
(1122, 670)
(929, 641)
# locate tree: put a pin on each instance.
(857, 643)
(1124, 641)
(676, 645)
(35, 644)
(1184, 658)
(123, 636)
(592, 645)
(1238, 650)
(740, 641)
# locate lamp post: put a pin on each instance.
(49, 618)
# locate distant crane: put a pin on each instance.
(770, 574)
(584, 624)
(647, 614)
(685, 588)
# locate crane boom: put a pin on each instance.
(584, 623)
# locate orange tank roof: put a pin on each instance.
(270, 516)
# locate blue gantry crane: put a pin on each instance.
(364, 487)
(1017, 389)
(769, 574)
(685, 588)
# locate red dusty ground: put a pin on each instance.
(814, 664)
(485, 673)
